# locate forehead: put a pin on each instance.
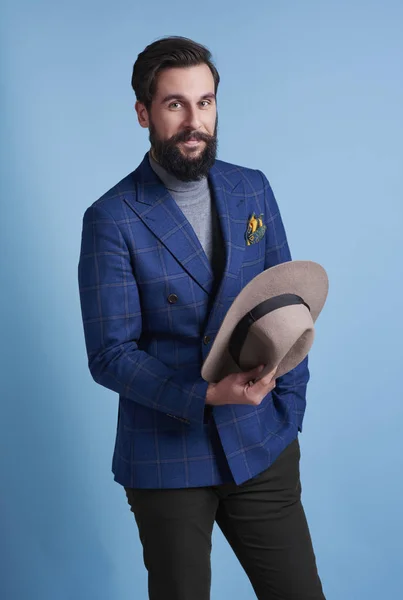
(186, 81)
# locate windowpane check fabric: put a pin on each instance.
(138, 250)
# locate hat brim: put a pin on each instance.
(304, 278)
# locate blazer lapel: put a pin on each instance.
(231, 207)
(155, 206)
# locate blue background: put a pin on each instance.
(312, 94)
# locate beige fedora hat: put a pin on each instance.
(270, 322)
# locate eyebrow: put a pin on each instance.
(208, 96)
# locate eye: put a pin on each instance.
(204, 104)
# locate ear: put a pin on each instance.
(142, 114)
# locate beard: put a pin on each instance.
(191, 167)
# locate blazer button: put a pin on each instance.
(172, 298)
(206, 339)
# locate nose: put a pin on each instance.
(192, 119)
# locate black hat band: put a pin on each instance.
(240, 332)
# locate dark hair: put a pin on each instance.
(174, 51)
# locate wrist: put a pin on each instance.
(210, 394)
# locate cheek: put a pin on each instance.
(210, 124)
(164, 127)
(173, 127)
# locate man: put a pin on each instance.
(163, 255)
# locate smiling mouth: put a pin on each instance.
(192, 142)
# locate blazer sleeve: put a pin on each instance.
(291, 387)
(112, 322)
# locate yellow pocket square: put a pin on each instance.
(255, 229)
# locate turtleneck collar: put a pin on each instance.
(176, 185)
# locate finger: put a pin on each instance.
(265, 380)
(252, 374)
(256, 370)
(264, 385)
(273, 371)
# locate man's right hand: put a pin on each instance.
(240, 388)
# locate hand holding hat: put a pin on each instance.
(241, 388)
(270, 322)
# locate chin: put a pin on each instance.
(189, 153)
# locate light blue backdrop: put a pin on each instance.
(312, 94)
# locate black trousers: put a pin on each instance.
(262, 519)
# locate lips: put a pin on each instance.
(192, 141)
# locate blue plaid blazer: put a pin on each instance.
(150, 312)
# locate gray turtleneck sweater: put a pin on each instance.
(194, 198)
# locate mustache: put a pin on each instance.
(196, 135)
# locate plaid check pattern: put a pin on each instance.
(149, 321)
